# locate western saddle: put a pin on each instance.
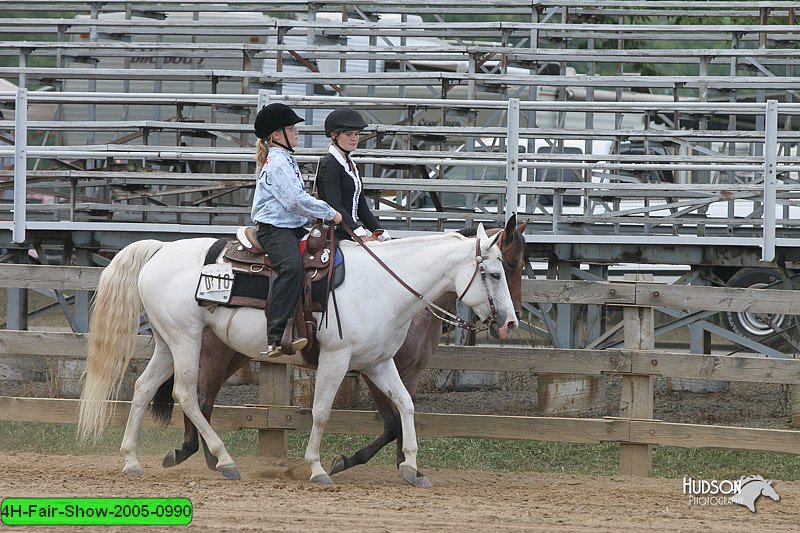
(246, 256)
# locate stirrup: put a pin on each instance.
(298, 344)
(274, 354)
(273, 350)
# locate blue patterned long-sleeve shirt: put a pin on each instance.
(280, 198)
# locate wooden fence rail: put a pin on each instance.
(645, 294)
(661, 363)
(547, 429)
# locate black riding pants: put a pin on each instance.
(281, 244)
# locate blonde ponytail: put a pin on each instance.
(261, 152)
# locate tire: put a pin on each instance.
(758, 326)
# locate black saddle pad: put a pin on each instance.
(252, 290)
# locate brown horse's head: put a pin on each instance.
(512, 246)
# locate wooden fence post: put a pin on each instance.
(17, 299)
(273, 389)
(636, 395)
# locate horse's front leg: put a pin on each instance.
(411, 375)
(330, 373)
(385, 376)
(391, 431)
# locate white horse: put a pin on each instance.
(375, 311)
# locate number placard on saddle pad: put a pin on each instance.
(215, 283)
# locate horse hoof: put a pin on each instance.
(337, 466)
(322, 479)
(413, 477)
(423, 482)
(133, 471)
(230, 472)
(169, 460)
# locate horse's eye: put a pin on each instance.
(512, 265)
(495, 275)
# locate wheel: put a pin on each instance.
(759, 327)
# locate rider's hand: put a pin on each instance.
(337, 218)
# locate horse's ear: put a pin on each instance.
(521, 227)
(481, 233)
(510, 226)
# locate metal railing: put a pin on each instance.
(510, 160)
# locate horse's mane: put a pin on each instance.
(465, 233)
(472, 231)
(406, 240)
(519, 240)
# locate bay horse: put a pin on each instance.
(218, 362)
(161, 278)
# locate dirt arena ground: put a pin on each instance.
(276, 496)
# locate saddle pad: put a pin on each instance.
(251, 290)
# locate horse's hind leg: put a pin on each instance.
(191, 440)
(162, 409)
(157, 372)
(208, 394)
(186, 352)
(218, 362)
(385, 376)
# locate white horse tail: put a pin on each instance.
(116, 310)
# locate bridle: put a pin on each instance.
(437, 311)
(481, 268)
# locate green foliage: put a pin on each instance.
(713, 21)
(519, 456)
(723, 464)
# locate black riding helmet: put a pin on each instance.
(273, 117)
(344, 119)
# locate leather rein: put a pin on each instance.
(437, 311)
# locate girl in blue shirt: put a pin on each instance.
(281, 209)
